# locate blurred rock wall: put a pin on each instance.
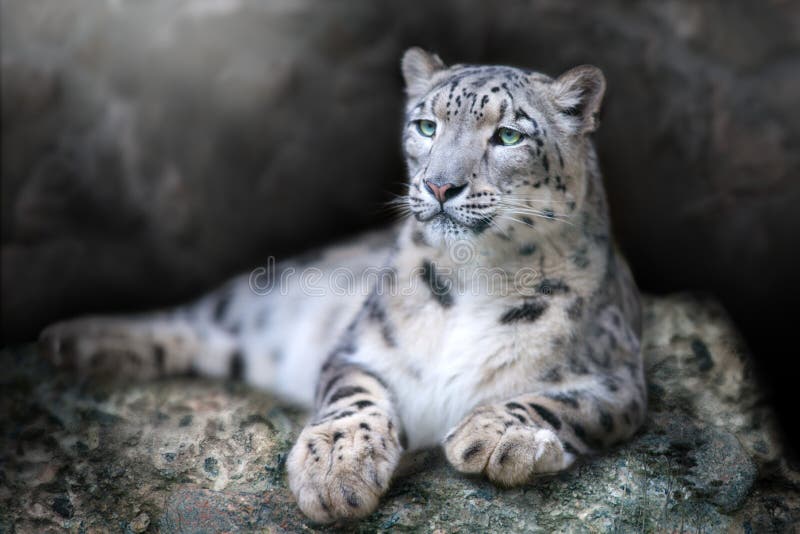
(151, 148)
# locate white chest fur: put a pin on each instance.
(450, 359)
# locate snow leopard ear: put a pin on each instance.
(419, 67)
(578, 94)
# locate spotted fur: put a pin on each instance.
(497, 320)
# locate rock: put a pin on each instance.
(140, 523)
(201, 510)
(190, 455)
(211, 467)
(63, 507)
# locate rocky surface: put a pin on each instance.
(191, 455)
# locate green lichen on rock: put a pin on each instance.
(191, 455)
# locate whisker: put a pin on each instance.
(499, 228)
(520, 209)
(399, 207)
(513, 219)
(530, 209)
(538, 215)
(493, 223)
(398, 199)
(507, 198)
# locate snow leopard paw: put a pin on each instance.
(503, 444)
(340, 467)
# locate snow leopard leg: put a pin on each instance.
(545, 432)
(344, 458)
(146, 346)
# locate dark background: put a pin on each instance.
(150, 148)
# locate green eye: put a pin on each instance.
(426, 128)
(508, 137)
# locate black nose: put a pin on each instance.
(445, 192)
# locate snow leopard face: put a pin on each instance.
(491, 149)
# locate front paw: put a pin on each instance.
(339, 468)
(505, 445)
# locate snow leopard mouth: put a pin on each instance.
(442, 220)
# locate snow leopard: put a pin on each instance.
(496, 319)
